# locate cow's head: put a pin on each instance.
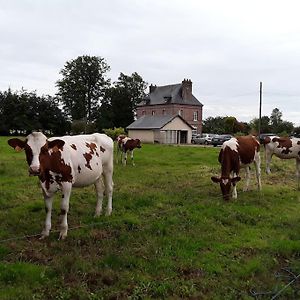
(36, 147)
(225, 184)
(138, 143)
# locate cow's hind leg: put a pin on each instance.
(257, 163)
(247, 179)
(64, 208)
(99, 190)
(48, 208)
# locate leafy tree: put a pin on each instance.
(285, 127)
(119, 104)
(275, 119)
(214, 125)
(264, 125)
(134, 85)
(83, 86)
(22, 112)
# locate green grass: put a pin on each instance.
(171, 236)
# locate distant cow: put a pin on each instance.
(237, 153)
(64, 162)
(125, 144)
(284, 148)
(119, 146)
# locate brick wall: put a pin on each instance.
(186, 112)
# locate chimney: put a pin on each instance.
(186, 87)
(152, 88)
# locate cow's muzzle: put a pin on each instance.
(34, 171)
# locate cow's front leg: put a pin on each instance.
(234, 192)
(268, 157)
(125, 158)
(64, 208)
(99, 190)
(48, 208)
(132, 158)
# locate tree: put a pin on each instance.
(22, 112)
(83, 86)
(134, 85)
(275, 119)
(214, 125)
(264, 124)
(120, 101)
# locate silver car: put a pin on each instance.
(202, 139)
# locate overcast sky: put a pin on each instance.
(225, 47)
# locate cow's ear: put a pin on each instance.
(235, 179)
(58, 144)
(17, 144)
(215, 179)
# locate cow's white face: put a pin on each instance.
(35, 142)
(36, 147)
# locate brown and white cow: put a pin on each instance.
(65, 162)
(119, 146)
(284, 148)
(237, 153)
(126, 144)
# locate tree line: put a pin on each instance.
(273, 124)
(88, 101)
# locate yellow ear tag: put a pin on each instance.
(18, 149)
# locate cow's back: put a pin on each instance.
(248, 146)
(84, 155)
(284, 148)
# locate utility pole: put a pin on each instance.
(260, 101)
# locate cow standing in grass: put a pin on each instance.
(125, 145)
(237, 153)
(119, 146)
(64, 162)
(284, 148)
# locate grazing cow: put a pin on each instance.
(237, 153)
(126, 144)
(64, 162)
(284, 148)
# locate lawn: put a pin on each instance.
(171, 235)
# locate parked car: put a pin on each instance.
(203, 139)
(220, 139)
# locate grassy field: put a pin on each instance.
(171, 236)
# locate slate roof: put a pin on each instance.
(153, 122)
(171, 94)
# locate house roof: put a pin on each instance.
(171, 94)
(154, 122)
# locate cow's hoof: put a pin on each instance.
(44, 234)
(108, 213)
(97, 214)
(62, 235)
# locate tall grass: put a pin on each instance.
(170, 236)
